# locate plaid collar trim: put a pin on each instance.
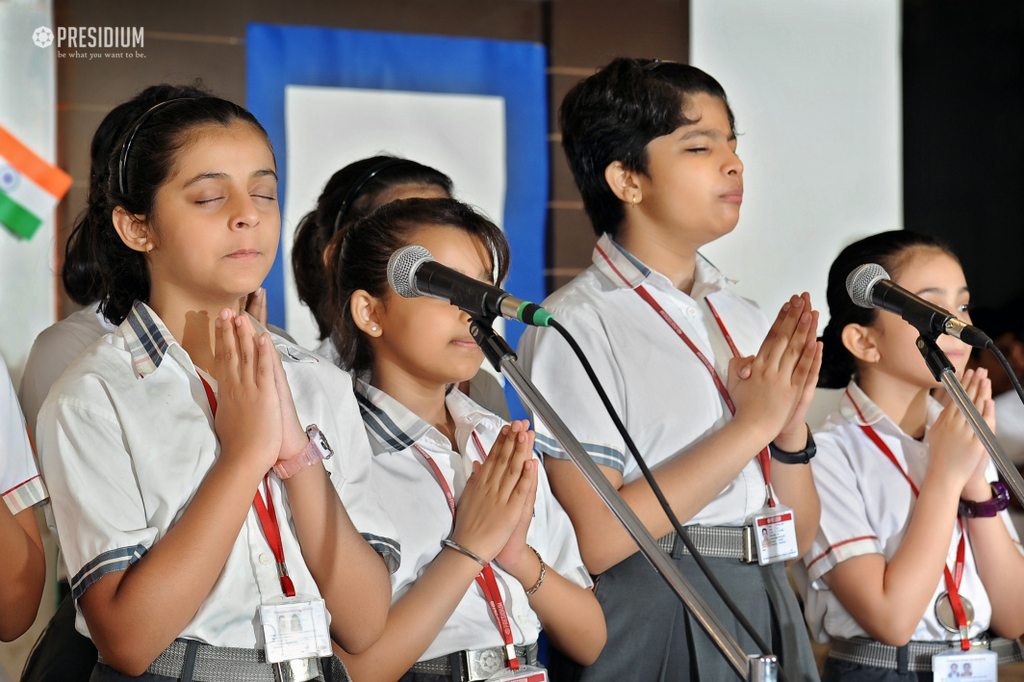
(147, 337)
(627, 272)
(393, 427)
(618, 265)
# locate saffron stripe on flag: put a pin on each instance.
(44, 174)
(21, 221)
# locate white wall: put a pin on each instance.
(28, 106)
(815, 87)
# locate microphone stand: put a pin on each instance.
(755, 668)
(943, 371)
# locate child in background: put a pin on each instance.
(158, 442)
(431, 445)
(912, 515)
(353, 192)
(652, 146)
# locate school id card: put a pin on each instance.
(979, 665)
(526, 673)
(295, 628)
(775, 535)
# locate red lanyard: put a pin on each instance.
(954, 578)
(764, 457)
(266, 513)
(485, 579)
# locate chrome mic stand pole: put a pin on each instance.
(943, 371)
(503, 358)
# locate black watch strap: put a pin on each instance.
(802, 457)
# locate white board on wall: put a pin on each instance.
(462, 136)
(815, 87)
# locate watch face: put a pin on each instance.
(317, 437)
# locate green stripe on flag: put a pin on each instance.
(17, 218)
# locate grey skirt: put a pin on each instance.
(651, 637)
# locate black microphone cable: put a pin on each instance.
(991, 345)
(649, 477)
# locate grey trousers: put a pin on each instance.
(651, 637)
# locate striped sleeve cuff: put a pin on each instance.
(601, 454)
(28, 494)
(840, 552)
(109, 562)
(390, 550)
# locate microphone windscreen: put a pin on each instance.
(862, 280)
(402, 267)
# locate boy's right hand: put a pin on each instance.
(491, 505)
(248, 421)
(767, 389)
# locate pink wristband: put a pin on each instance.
(316, 450)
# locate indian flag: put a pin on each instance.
(30, 187)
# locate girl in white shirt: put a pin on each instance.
(159, 440)
(431, 447)
(909, 498)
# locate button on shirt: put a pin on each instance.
(20, 483)
(126, 437)
(866, 504)
(419, 508)
(661, 390)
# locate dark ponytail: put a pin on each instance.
(357, 259)
(157, 136)
(891, 250)
(80, 270)
(351, 193)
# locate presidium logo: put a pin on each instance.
(91, 38)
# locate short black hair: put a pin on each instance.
(357, 259)
(358, 186)
(613, 115)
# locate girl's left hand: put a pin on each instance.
(515, 552)
(293, 436)
(256, 305)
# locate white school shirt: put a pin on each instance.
(126, 437)
(866, 505)
(420, 511)
(661, 390)
(20, 483)
(54, 350)
(1010, 425)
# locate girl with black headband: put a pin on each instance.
(353, 192)
(196, 514)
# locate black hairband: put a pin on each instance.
(357, 187)
(126, 147)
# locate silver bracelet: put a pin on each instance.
(543, 572)
(459, 548)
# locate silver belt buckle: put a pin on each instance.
(483, 663)
(749, 548)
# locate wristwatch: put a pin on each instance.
(802, 457)
(1000, 501)
(317, 449)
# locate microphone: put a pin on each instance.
(869, 286)
(413, 272)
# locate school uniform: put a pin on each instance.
(126, 437)
(20, 483)
(54, 349)
(865, 507)
(419, 508)
(668, 401)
